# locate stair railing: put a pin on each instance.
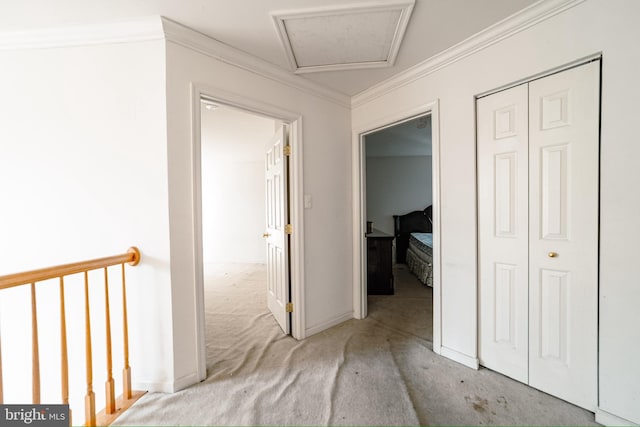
(112, 408)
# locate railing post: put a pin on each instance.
(110, 392)
(126, 371)
(90, 398)
(35, 353)
(132, 257)
(64, 361)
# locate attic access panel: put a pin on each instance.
(343, 37)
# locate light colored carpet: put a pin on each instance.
(377, 371)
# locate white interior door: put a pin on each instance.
(563, 242)
(538, 233)
(277, 240)
(503, 231)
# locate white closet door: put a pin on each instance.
(563, 241)
(503, 231)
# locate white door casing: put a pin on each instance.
(276, 238)
(563, 241)
(503, 231)
(558, 251)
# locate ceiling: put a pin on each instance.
(410, 138)
(434, 26)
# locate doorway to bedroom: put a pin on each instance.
(236, 198)
(398, 190)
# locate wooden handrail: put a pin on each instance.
(132, 257)
(113, 408)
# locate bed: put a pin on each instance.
(414, 243)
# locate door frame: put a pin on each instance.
(296, 206)
(359, 211)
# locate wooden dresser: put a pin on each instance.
(379, 263)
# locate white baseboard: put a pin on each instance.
(471, 362)
(437, 349)
(329, 323)
(167, 387)
(608, 419)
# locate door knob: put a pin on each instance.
(553, 254)
(265, 235)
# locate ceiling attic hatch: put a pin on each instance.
(343, 37)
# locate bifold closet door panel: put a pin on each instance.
(563, 241)
(503, 231)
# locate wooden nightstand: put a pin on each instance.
(379, 263)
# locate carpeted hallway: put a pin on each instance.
(376, 371)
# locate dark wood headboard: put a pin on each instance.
(404, 225)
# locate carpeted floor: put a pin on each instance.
(377, 371)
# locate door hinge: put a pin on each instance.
(287, 150)
(288, 229)
(289, 307)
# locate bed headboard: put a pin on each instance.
(406, 224)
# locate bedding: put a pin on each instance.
(420, 256)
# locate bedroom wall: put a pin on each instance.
(83, 174)
(233, 185)
(587, 28)
(327, 174)
(395, 186)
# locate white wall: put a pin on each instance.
(327, 174)
(83, 174)
(586, 29)
(233, 185)
(396, 186)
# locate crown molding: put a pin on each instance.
(134, 30)
(519, 21)
(161, 28)
(191, 39)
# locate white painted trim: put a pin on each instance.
(343, 67)
(436, 225)
(330, 323)
(198, 42)
(198, 263)
(519, 21)
(296, 211)
(608, 419)
(153, 386)
(130, 31)
(359, 218)
(404, 6)
(359, 211)
(543, 74)
(456, 356)
(185, 381)
(167, 387)
(296, 206)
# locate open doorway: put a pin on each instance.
(243, 162)
(289, 145)
(233, 220)
(361, 219)
(399, 198)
